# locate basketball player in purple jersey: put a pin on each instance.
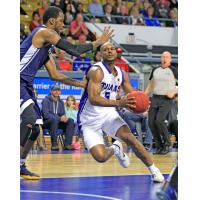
(35, 51)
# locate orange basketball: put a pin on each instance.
(142, 101)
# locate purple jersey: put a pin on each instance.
(32, 58)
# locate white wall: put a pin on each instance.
(142, 34)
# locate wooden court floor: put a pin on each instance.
(76, 175)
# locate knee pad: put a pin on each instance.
(35, 132)
(28, 116)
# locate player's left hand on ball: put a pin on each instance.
(127, 102)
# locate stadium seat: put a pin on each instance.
(59, 135)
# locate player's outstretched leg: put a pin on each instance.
(125, 134)
(121, 156)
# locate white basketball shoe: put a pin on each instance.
(121, 156)
(157, 176)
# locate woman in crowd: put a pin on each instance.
(71, 110)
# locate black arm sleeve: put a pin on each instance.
(74, 50)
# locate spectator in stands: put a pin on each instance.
(138, 4)
(108, 19)
(97, 56)
(23, 34)
(148, 140)
(150, 20)
(60, 4)
(71, 3)
(118, 5)
(78, 26)
(42, 9)
(173, 4)
(124, 16)
(82, 38)
(71, 111)
(81, 63)
(135, 18)
(110, 2)
(138, 124)
(144, 8)
(95, 8)
(55, 118)
(68, 14)
(71, 108)
(76, 2)
(80, 9)
(174, 17)
(154, 3)
(120, 62)
(35, 20)
(63, 62)
(162, 9)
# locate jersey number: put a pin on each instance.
(107, 95)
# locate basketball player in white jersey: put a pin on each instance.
(97, 113)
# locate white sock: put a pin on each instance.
(153, 169)
(113, 147)
(22, 161)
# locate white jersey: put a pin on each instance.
(110, 87)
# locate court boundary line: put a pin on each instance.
(84, 176)
(69, 193)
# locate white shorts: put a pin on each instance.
(93, 132)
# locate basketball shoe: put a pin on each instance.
(157, 176)
(26, 174)
(121, 156)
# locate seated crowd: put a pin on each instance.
(138, 12)
(60, 118)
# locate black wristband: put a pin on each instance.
(75, 50)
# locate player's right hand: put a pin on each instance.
(127, 102)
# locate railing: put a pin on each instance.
(90, 17)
